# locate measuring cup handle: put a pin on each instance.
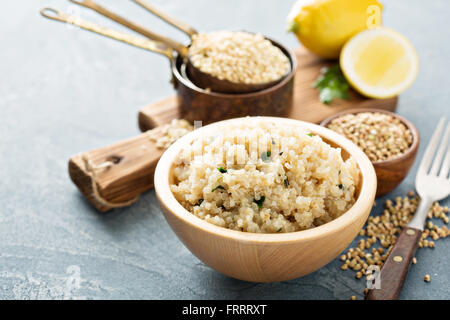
(142, 43)
(175, 45)
(169, 19)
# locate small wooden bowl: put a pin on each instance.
(266, 257)
(390, 173)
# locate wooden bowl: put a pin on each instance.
(266, 257)
(390, 173)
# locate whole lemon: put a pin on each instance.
(324, 26)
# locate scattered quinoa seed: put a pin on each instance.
(380, 234)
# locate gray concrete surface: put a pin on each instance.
(65, 90)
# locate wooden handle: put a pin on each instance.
(142, 43)
(175, 45)
(395, 269)
(116, 174)
(169, 19)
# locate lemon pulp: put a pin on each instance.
(379, 63)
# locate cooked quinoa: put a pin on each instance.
(257, 176)
(239, 57)
(164, 136)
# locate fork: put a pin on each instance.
(432, 184)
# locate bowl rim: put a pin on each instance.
(384, 163)
(360, 207)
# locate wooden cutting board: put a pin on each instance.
(306, 106)
(116, 175)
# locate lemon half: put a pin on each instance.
(379, 63)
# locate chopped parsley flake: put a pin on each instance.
(309, 134)
(222, 170)
(265, 156)
(218, 187)
(260, 201)
(286, 182)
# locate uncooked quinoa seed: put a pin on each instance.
(381, 232)
(239, 57)
(379, 135)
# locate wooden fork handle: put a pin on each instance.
(395, 269)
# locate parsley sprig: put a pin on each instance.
(332, 84)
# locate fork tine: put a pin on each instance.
(440, 153)
(445, 165)
(429, 152)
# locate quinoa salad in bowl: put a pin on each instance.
(261, 177)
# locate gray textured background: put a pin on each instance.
(65, 90)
